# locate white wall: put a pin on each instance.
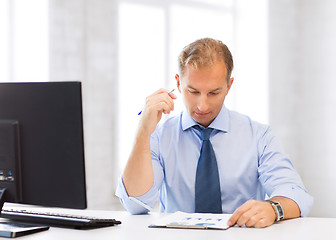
(302, 92)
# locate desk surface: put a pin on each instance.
(136, 227)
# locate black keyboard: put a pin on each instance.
(57, 219)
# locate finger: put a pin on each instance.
(163, 107)
(165, 91)
(263, 222)
(246, 216)
(261, 217)
(168, 100)
(239, 212)
(235, 216)
(172, 95)
(159, 97)
(268, 217)
(253, 220)
(161, 90)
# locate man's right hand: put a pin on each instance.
(138, 176)
(156, 104)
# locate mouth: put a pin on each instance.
(202, 114)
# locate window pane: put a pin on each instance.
(30, 40)
(141, 66)
(191, 23)
(151, 36)
(223, 3)
(251, 57)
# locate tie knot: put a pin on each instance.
(206, 133)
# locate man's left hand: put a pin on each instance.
(253, 213)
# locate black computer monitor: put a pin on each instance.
(41, 144)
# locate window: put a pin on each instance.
(152, 34)
(24, 40)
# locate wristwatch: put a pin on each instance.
(278, 210)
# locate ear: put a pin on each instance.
(178, 82)
(230, 84)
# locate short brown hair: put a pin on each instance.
(205, 52)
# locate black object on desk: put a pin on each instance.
(15, 229)
(42, 152)
(58, 219)
(41, 144)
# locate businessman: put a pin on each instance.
(208, 158)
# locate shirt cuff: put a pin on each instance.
(134, 205)
(298, 195)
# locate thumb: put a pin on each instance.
(172, 95)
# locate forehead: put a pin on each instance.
(211, 77)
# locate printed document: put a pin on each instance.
(193, 220)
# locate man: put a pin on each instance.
(249, 164)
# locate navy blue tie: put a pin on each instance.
(207, 186)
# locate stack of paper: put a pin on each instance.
(194, 220)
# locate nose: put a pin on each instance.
(202, 104)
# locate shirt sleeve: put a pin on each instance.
(145, 203)
(277, 174)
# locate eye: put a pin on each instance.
(214, 93)
(193, 92)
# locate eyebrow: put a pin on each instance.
(217, 89)
(214, 90)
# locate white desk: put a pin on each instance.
(136, 227)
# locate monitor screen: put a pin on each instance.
(41, 144)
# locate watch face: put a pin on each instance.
(280, 214)
(278, 210)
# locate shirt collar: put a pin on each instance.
(221, 122)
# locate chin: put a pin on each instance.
(202, 122)
(206, 122)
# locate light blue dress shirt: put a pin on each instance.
(251, 165)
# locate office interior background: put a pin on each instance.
(123, 50)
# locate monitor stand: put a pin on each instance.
(10, 179)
